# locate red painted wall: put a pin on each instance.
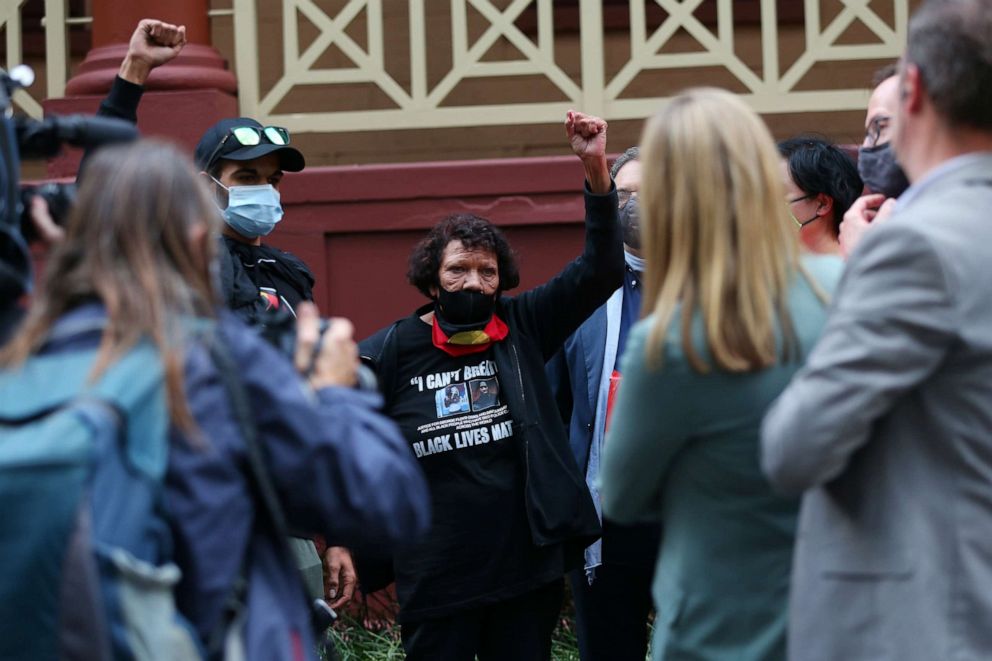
(355, 226)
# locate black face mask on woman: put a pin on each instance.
(463, 310)
(880, 171)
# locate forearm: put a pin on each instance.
(122, 100)
(597, 174)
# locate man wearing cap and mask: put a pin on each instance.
(245, 162)
(613, 591)
(877, 164)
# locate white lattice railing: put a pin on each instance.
(420, 104)
(56, 59)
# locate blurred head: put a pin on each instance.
(140, 240)
(717, 238)
(626, 173)
(877, 165)
(821, 184)
(945, 80)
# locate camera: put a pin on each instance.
(23, 137)
(277, 325)
(58, 197)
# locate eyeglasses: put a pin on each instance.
(876, 127)
(249, 136)
(800, 199)
(624, 196)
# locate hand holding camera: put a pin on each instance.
(329, 357)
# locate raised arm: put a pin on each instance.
(556, 309)
(152, 44)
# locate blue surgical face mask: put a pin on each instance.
(636, 263)
(252, 211)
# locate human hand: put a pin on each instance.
(885, 211)
(339, 576)
(587, 136)
(153, 44)
(336, 359)
(857, 220)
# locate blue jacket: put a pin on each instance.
(575, 373)
(342, 471)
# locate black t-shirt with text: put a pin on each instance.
(479, 549)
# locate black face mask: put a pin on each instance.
(630, 223)
(463, 310)
(880, 171)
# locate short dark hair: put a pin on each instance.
(632, 154)
(884, 73)
(473, 232)
(950, 41)
(817, 166)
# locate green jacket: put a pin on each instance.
(683, 448)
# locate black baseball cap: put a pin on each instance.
(290, 158)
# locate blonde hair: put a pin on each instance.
(716, 232)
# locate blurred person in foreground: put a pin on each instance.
(877, 165)
(137, 264)
(730, 310)
(888, 429)
(612, 592)
(512, 512)
(821, 184)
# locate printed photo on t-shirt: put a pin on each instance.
(485, 393)
(451, 400)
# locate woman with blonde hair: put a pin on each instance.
(730, 311)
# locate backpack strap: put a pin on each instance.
(260, 480)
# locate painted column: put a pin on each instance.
(182, 98)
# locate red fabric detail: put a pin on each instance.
(297, 643)
(271, 300)
(611, 395)
(496, 329)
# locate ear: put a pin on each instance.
(824, 204)
(433, 290)
(911, 93)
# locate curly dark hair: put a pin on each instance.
(817, 166)
(473, 232)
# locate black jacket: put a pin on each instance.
(559, 507)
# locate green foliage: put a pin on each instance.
(354, 642)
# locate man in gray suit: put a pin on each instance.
(888, 428)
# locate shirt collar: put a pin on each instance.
(942, 171)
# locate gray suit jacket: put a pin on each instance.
(888, 430)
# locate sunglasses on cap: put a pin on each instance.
(249, 136)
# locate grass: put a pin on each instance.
(355, 642)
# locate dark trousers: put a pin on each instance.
(519, 629)
(611, 615)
